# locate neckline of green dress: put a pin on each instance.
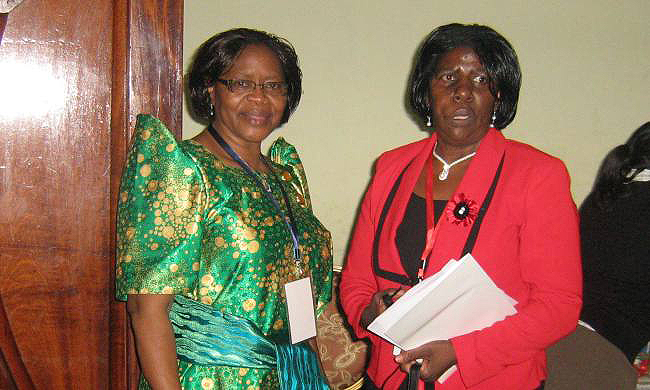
(202, 149)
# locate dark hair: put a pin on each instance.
(496, 54)
(622, 164)
(216, 55)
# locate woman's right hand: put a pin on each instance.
(377, 304)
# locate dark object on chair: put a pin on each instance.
(586, 360)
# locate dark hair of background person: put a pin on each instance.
(496, 54)
(627, 159)
(215, 56)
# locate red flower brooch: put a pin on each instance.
(462, 210)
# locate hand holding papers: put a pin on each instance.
(457, 300)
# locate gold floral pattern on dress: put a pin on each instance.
(190, 225)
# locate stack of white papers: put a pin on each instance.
(458, 299)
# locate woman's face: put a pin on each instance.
(245, 118)
(461, 101)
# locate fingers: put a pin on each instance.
(391, 295)
(379, 303)
(387, 299)
(408, 359)
(436, 358)
(383, 299)
(406, 367)
(411, 355)
(374, 308)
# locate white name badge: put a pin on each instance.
(300, 305)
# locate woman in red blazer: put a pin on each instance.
(426, 201)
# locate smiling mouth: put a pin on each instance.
(257, 118)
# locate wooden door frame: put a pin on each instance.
(147, 78)
(3, 23)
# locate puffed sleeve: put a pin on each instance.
(319, 251)
(285, 154)
(159, 215)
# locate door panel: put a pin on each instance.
(13, 374)
(70, 93)
(3, 22)
(55, 68)
(147, 78)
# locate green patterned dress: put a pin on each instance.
(188, 224)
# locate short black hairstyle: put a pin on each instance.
(496, 54)
(216, 55)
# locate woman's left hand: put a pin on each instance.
(437, 357)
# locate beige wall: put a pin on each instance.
(585, 65)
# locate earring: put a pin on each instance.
(211, 111)
(494, 117)
(428, 120)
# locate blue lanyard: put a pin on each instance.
(290, 221)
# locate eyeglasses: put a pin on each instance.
(272, 88)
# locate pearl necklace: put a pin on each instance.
(446, 166)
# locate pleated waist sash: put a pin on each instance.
(207, 337)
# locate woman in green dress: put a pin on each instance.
(210, 230)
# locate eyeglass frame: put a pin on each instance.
(265, 86)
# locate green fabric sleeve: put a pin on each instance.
(283, 153)
(159, 215)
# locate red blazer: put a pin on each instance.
(528, 244)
